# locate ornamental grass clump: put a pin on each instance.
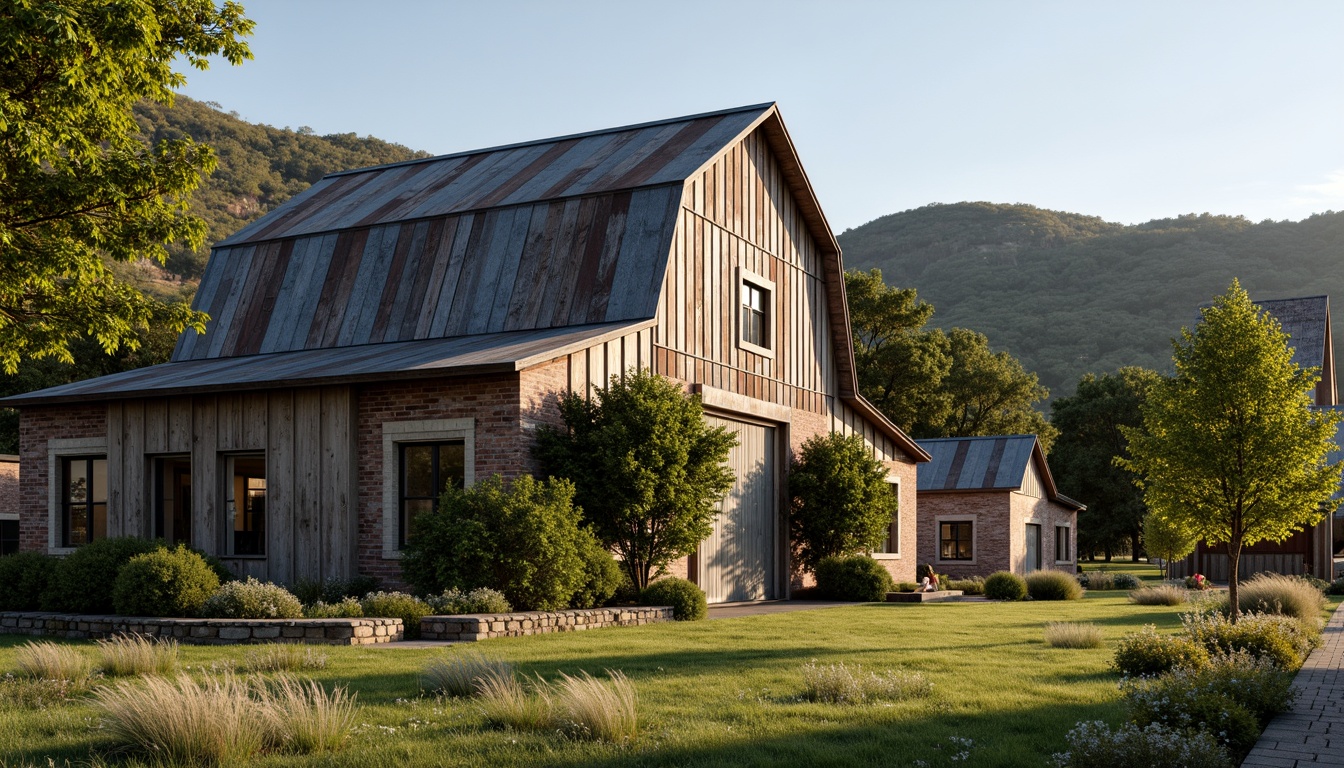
(1276, 593)
(124, 655)
(1053, 585)
(506, 703)
(1066, 634)
(841, 684)
(283, 657)
(304, 717)
(463, 673)
(974, 585)
(1095, 745)
(1147, 653)
(183, 721)
(1098, 581)
(1162, 594)
(598, 710)
(49, 661)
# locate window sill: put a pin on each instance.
(392, 554)
(755, 350)
(886, 555)
(940, 561)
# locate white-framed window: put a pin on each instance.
(1063, 544)
(891, 546)
(76, 492)
(956, 539)
(755, 320)
(421, 459)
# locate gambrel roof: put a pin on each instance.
(992, 463)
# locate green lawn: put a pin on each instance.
(1142, 569)
(720, 692)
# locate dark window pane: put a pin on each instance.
(77, 481)
(452, 463)
(9, 537)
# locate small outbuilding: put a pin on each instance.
(989, 504)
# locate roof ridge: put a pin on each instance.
(553, 139)
(973, 437)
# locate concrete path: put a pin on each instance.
(1312, 733)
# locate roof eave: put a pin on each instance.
(886, 427)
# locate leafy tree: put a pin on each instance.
(842, 503)
(1167, 540)
(77, 184)
(1083, 456)
(1230, 447)
(647, 468)
(991, 393)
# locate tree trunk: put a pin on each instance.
(1233, 561)
(1134, 545)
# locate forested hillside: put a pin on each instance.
(1068, 294)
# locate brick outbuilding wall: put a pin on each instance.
(1000, 519)
(38, 425)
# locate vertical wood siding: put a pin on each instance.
(308, 438)
(741, 559)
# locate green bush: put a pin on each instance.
(975, 585)
(1126, 581)
(1094, 745)
(1002, 585)
(842, 503)
(1336, 587)
(524, 540)
(1053, 585)
(84, 579)
(687, 600)
(454, 602)
(1282, 640)
(345, 608)
(252, 599)
(1275, 593)
(857, 577)
(908, 586)
(397, 605)
(25, 576)
(165, 582)
(1146, 653)
(333, 589)
(604, 577)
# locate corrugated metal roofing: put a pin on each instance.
(975, 463)
(486, 353)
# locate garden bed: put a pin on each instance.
(481, 626)
(924, 597)
(367, 631)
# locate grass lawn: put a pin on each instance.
(1142, 569)
(720, 692)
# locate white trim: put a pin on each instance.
(938, 520)
(56, 449)
(745, 275)
(419, 431)
(900, 532)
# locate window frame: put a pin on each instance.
(939, 521)
(227, 490)
(418, 431)
(11, 517)
(746, 278)
(1068, 543)
(59, 449)
(433, 499)
(894, 527)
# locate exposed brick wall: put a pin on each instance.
(37, 425)
(1000, 530)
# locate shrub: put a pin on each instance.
(840, 684)
(1094, 745)
(283, 657)
(1320, 584)
(604, 577)
(454, 602)
(687, 600)
(505, 703)
(304, 717)
(135, 655)
(1003, 585)
(252, 599)
(1053, 585)
(1197, 582)
(1146, 653)
(1336, 587)
(1163, 594)
(524, 540)
(50, 661)
(83, 580)
(857, 577)
(333, 589)
(25, 576)
(185, 722)
(1283, 640)
(906, 586)
(975, 585)
(841, 501)
(1126, 581)
(1100, 581)
(398, 605)
(464, 673)
(588, 708)
(1063, 634)
(347, 608)
(165, 582)
(1275, 593)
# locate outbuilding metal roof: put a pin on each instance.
(991, 463)
(1305, 319)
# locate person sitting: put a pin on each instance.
(930, 582)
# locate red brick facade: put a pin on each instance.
(38, 425)
(999, 533)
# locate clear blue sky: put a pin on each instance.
(1125, 110)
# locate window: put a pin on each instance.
(754, 323)
(1033, 561)
(1061, 543)
(427, 470)
(9, 534)
(83, 499)
(954, 540)
(245, 503)
(892, 544)
(172, 499)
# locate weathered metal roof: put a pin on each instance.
(992, 463)
(1305, 319)
(465, 355)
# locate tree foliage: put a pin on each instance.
(842, 503)
(1231, 449)
(647, 469)
(991, 393)
(1083, 457)
(1167, 540)
(78, 186)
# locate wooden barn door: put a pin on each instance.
(739, 560)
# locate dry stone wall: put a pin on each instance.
(486, 625)
(205, 631)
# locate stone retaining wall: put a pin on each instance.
(206, 631)
(480, 626)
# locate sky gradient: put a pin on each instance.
(1129, 111)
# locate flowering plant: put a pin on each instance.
(1198, 581)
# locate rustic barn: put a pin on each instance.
(397, 329)
(990, 504)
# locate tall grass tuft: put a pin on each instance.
(1276, 593)
(506, 703)
(283, 657)
(182, 721)
(304, 717)
(1053, 585)
(462, 674)
(50, 661)
(1162, 594)
(1065, 634)
(602, 710)
(1099, 581)
(840, 684)
(136, 655)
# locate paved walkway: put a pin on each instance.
(1312, 733)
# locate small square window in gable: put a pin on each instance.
(755, 315)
